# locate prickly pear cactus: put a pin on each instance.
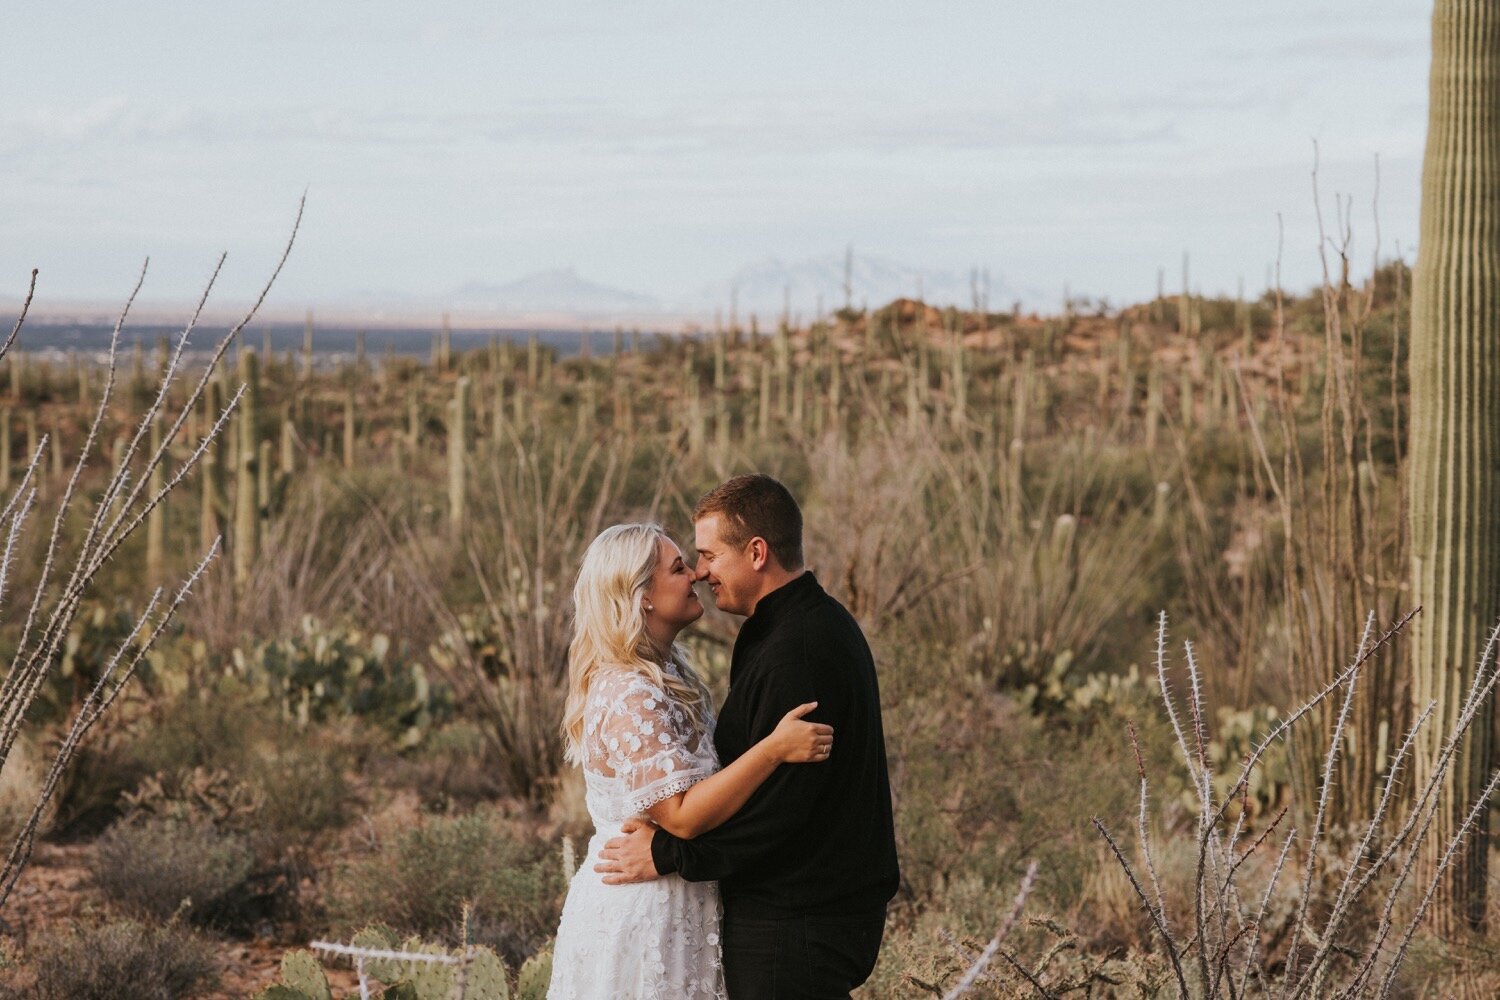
(484, 977)
(302, 972)
(278, 991)
(433, 981)
(302, 979)
(536, 976)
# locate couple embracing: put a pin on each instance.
(781, 808)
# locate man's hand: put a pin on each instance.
(627, 858)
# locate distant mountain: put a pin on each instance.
(764, 287)
(558, 290)
(563, 295)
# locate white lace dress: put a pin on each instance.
(654, 940)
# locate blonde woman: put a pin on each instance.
(639, 722)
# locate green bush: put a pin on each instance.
(217, 727)
(122, 960)
(982, 786)
(158, 866)
(305, 792)
(419, 883)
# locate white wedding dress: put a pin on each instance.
(655, 940)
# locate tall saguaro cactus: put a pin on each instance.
(458, 442)
(156, 520)
(1455, 421)
(246, 509)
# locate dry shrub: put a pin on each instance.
(982, 786)
(323, 555)
(91, 794)
(201, 794)
(122, 960)
(1110, 908)
(1063, 560)
(306, 791)
(867, 534)
(1025, 565)
(20, 787)
(535, 503)
(295, 777)
(419, 883)
(453, 769)
(158, 867)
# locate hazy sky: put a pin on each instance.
(658, 146)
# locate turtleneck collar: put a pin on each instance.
(774, 606)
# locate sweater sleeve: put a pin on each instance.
(777, 812)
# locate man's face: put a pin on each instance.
(726, 568)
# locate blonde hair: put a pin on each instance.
(609, 629)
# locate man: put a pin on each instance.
(806, 868)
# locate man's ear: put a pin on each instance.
(760, 553)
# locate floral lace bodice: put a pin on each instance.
(639, 746)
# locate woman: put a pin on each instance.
(640, 723)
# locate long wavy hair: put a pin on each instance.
(609, 629)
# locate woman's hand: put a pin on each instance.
(797, 742)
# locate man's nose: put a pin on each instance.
(700, 572)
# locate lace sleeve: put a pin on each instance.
(646, 741)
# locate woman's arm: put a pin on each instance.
(711, 801)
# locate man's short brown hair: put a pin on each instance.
(757, 506)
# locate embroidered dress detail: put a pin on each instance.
(654, 940)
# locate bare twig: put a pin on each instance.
(976, 969)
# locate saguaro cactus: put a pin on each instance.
(265, 485)
(246, 508)
(288, 446)
(960, 382)
(458, 423)
(349, 428)
(156, 521)
(1455, 423)
(307, 346)
(213, 496)
(1153, 407)
(33, 435)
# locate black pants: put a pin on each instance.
(799, 958)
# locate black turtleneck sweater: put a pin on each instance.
(815, 838)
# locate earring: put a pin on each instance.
(650, 607)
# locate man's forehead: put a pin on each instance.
(706, 532)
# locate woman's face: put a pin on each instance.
(673, 603)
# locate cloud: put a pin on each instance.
(1366, 48)
(1333, 47)
(744, 125)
